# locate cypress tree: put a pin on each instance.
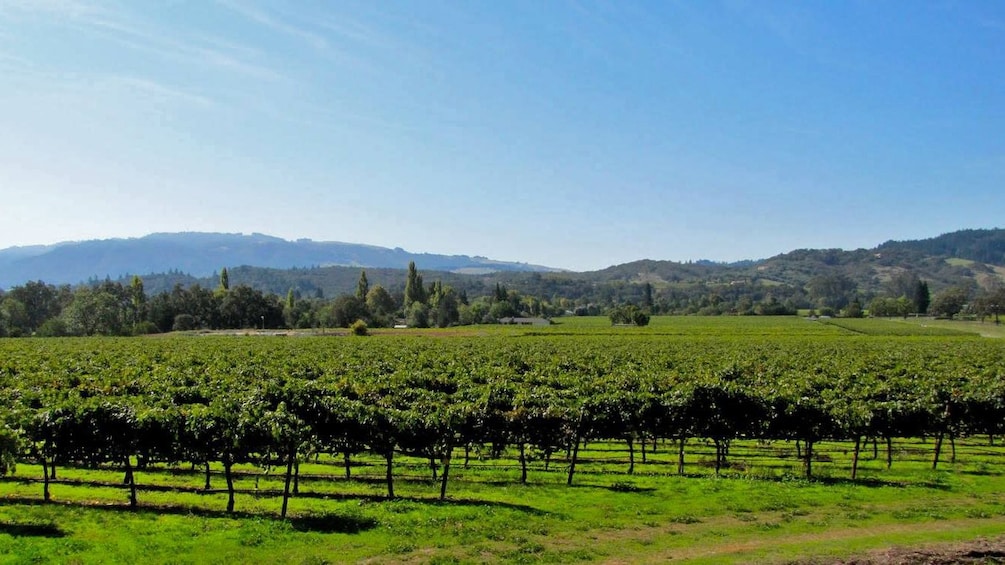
(647, 297)
(363, 286)
(414, 292)
(922, 298)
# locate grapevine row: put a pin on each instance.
(231, 401)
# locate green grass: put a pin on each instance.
(731, 326)
(986, 329)
(760, 510)
(897, 327)
(697, 326)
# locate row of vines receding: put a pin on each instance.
(277, 402)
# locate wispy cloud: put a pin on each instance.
(357, 32)
(128, 30)
(260, 16)
(105, 86)
(137, 36)
(59, 8)
(367, 48)
(158, 90)
(314, 35)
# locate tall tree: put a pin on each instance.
(13, 317)
(290, 309)
(245, 307)
(345, 310)
(949, 302)
(96, 310)
(41, 302)
(434, 294)
(446, 311)
(922, 298)
(379, 302)
(831, 291)
(904, 283)
(363, 286)
(417, 315)
(990, 303)
(137, 300)
(414, 292)
(224, 280)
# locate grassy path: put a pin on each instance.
(827, 544)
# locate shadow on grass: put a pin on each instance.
(333, 523)
(618, 486)
(270, 493)
(629, 486)
(193, 489)
(379, 498)
(324, 523)
(184, 509)
(31, 529)
(173, 509)
(879, 483)
(979, 473)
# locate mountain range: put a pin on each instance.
(202, 254)
(972, 258)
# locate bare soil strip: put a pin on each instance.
(759, 549)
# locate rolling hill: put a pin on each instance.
(870, 270)
(202, 254)
(970, 258)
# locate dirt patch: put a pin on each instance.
(983, 551)
(752, 547)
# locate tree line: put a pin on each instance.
(117, 308)
(112, 308)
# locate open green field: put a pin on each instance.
(758, 507)
(719, 326)
(985, 329)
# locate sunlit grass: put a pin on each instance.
(987, 328)
(760, 509)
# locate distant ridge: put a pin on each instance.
(201, 254)
(973, 258)
(984, 246)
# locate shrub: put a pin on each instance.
(417, 315)
(629, 314)
(183, 323)
(53, 327)
(145, 328)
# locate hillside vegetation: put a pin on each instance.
(896, 279)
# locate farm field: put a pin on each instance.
(770, 410)
(986, 328)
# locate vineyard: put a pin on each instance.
(295, 427)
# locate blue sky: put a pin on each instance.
(570, 133)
